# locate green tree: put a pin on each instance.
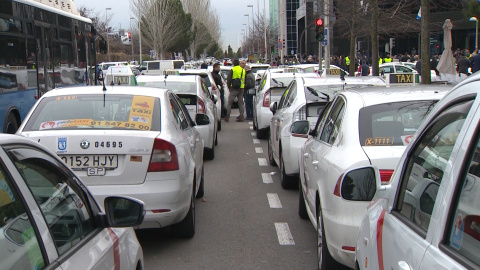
(471, 8)
(239, 52)
(230, 52)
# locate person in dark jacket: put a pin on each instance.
(418, 66)
(475, 62)
(462, 65)
(433, 65)
(249, 85)
(218, 81)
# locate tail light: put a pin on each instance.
(300, 113)
(164, 157)
(336, 191)
(385, 175)
(201, 106)
(266, 99)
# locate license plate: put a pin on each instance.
(83, 162)
(95, 171)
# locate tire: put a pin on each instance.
(11, 125)
(254, 123)
(324, 259)
(219, 125)
(271, 160)
(302, 208)
(201, 189)
(288, 182)
(186, 227)
(209, 153)
(262, 133)
(216, 139)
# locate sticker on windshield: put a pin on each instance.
(65, 98)
(65, 123)
(407, 139)
(457, 233)
(379, 141)
(141, 112)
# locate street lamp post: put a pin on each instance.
(106, 25)
(253, 27)
(474, 19)
(246, 37)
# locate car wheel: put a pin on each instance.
(11, 124)
(271, 160)
(254, 123)
(262, 133)
(209, 153)
(288, 182)
(219, 126)
(201, 189)
(216, 138)
(302, 208)
(186, 227)
(325, 260)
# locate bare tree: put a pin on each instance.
(159, 23)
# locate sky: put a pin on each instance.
(231, 14)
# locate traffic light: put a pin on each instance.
(272, 49)
(319, 29)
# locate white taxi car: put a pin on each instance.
(271, 88)
(196, 97)
(49, 219)
(428, 216)
(135, 141)
(360, 127)
(120, 75)
(304, 99)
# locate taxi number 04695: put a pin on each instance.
(108, 144)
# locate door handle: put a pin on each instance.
(315, 162)
(404, 265)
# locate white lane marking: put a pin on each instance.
(251, 127)
(267, 178)
(254, 133)
(262, 162)
(258, 150)
(250, 123)
(284, 236)
(256, 141)
(274, 200)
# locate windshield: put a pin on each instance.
(93, 111)
(176, 87)
(392, 123)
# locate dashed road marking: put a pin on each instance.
(251, 127)
(267, 178)
(256, 141)
(254, 133)
(262, 162)
(250, 123)
(274, 200)
(284, 236)
(258, 150)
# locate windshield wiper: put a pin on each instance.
(315, 93)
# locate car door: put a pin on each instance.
(208, 97)
(283, 115)
(309, 156)
(258, 98)
(67, 212)
(402, 226)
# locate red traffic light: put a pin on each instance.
(319, 22)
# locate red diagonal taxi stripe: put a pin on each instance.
(380, 240)
(116, 249)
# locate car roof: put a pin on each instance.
(194, 71)
(367, 80)
(170, 78)
(291, 74)
(98, 89)
(119, 70)
(379, 95)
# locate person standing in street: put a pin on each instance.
(462, 65)
(249, 87)
(219, 83)
(236, 83)
(475, 61)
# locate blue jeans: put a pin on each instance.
(249, 105)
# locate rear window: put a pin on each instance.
(119, 112)
(178, 64)
(281, 82)
(255, 69)
(392, 123)
(176, 87)
(322, 92)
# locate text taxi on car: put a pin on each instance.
(49, 219)
(131, 140)
(428, 216)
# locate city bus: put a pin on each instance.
(43, 45)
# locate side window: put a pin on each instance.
(426, 164)
(292, 94)
(60, 199)
(283, 98)
(19, 247)
(179, 115)
(401, 69)
(464, 236)
(321, 120)
(205, 89)
(264, 81)
(330, 128)
(185, 111)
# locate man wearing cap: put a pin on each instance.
(249, 90)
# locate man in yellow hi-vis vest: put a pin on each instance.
(236, 84)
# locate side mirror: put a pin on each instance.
(102, 46)
(273, 107)
(124, 211)
(214, 98)
(300, 128)
(202, 119)
(359, 184)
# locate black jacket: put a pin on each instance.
(217, 79)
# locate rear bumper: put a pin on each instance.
(171, 197)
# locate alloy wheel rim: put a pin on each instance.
(319, 239)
